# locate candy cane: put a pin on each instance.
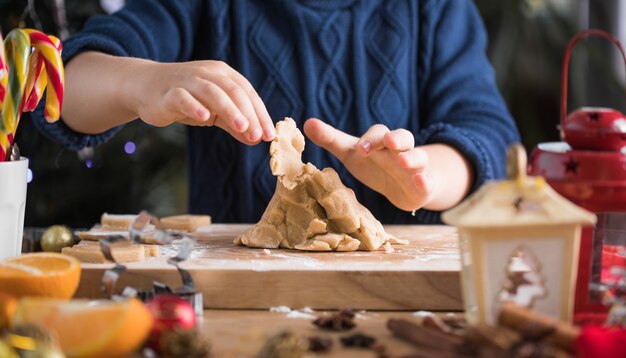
(49, 50)
(4, 75)
(35, 82)
(24, 76)
(4, 143)
(17, 47)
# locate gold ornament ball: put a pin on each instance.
(55, 238)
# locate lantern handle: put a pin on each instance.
(516, 162)
(568, 52)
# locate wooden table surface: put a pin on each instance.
(425, 274)
(242, 333)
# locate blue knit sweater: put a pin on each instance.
(418, 65)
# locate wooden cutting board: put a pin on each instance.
(423, 275)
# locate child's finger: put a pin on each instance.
(424, 182)
(261, 111)
(372, 140)
(399, 140)
(179, 100)
(221, 105)
(333, 140)
(241, 98)
(219, 122)
(413, 159)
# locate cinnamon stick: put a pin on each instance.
(426, 337)
(500, 338)
(531, 324)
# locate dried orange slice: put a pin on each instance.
(84, 328)
(40, 274)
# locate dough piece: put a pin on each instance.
(150, 250)
(189, 223)
(329, 242)
(92, 254)
(97, 233)
(285, 152)
(311, 210)
(117, 221)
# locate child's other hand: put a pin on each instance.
(386, 161)
(203, 93)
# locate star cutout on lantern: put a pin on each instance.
(571, 165)
(515, 280)
(594, 116)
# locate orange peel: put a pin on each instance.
(102, 328)
(40, 274)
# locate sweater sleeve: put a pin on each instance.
(462, 107)
(157, 30)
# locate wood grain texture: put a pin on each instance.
(423, 275)
(235, 333)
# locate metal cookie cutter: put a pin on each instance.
(143, 222)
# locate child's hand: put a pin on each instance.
(434, 176)
(202, 93)
(386, 161)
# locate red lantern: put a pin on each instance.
(589, 169)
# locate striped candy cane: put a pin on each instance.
(47, 55)
(24, 76)
(4, 74)
(17, 47)
(35, 82)
(4, 77)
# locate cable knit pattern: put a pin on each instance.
(335, 94)
(418, 65)
(386, 44)
(274, 60)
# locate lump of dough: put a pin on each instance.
(311, 209)
(285, 153)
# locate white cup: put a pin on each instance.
(12, 204)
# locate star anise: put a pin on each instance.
(320, 344)
(340, 321)
(358, 340)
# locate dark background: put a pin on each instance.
(527, 42)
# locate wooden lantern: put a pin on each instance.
(519, 243)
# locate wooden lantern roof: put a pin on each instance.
(518, 201)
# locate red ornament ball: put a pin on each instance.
(169, 312)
